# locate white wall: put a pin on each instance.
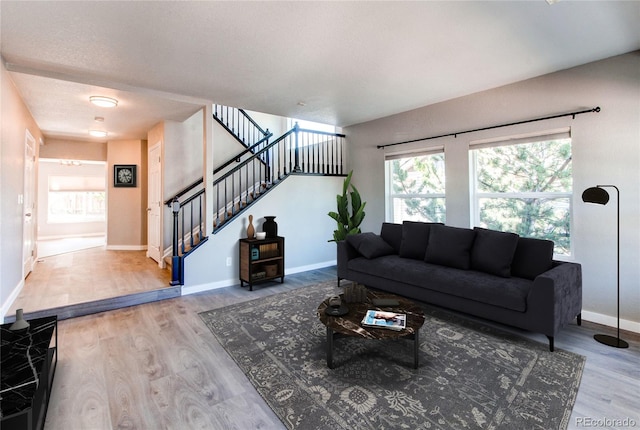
(127, 207)
(606, 150)
(300, 205)
(15, 119)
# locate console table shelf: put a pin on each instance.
(261, 260)
(29, 359)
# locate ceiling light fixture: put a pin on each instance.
(103, 101)
(99, 119)
(98, 133)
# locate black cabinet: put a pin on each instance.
(261, 260)
(29, 360)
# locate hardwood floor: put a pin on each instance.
(156, 366)
(91, 280)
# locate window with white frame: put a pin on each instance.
(73, 199)
(524, 185)
(416, 187)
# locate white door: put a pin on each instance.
(28, 199)
(154, 210)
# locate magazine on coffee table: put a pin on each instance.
(383, 319)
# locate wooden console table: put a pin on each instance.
(29, 360)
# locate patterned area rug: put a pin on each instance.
(471, 376)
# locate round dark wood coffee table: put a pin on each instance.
(349, 324)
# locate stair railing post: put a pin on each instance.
(296, 153)
(176, 261)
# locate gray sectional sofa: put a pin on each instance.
(493, 275)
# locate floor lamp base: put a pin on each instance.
(616, 342)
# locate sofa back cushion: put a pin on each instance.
(370, 245)
(493, 251)
(392, 234)
(450, 246)
(532, 257)
(415, 237)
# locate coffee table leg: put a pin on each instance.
(329, 348)
(416, 348)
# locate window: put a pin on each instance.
(416, 187)
(310, 125)
(74, 199)
(525, 188)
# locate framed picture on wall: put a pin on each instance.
(124, 175)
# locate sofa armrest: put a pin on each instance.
(346, 252)
(556, 296)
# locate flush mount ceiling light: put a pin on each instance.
(103, 101)
(98, 133)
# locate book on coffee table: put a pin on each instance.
(383, 319)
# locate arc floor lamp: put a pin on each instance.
(600, 196)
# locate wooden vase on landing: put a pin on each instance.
(251, 231)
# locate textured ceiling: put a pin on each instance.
(335, 62)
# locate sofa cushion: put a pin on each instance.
(369, 245)
(392, 234)
(493, 251)
(450, 246)
(532, 257)
(508, 293)
(415, 237)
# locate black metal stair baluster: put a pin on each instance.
(305, 152)
(315, 156)
(324, 157)
(217, 220)
(226, 200)
(342, 150)
(182, 230)
(191, 224)
(200, 226)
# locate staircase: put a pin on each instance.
(263, 164)
(247, 177)
(189, 230)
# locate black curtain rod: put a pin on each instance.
(572, 114)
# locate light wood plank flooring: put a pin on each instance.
(156, 366)
(82, 278)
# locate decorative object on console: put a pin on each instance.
(251, 231)
(270, 227)
(336, 308)
(355, 293)
(21, 323)
(347, 223)
(600, 196)
(261, 235)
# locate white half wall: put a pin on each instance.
(300, 205)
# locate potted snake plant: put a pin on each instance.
(348, 219)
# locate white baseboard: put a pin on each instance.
(126, 247)
(611, 321)
(70, 236)
(316, 266)
(192, 289)
(12, 298)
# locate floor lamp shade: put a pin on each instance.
(600, 196)
(595, 195)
